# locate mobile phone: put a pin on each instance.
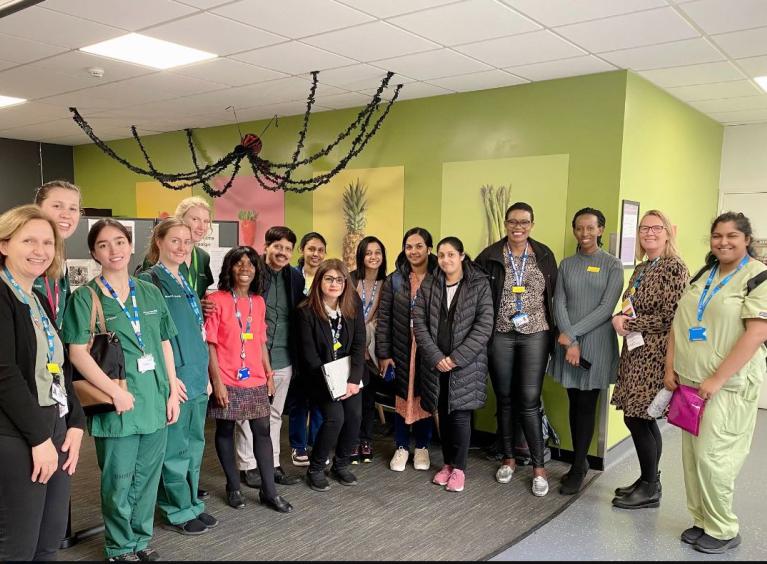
(389, 374)
(585, 364)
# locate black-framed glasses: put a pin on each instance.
(518, 223)
(340, 280)
(656, 229)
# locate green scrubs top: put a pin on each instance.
(198, 273)
(55, 299)
(150, 389)
(724, 321)
(190, 351)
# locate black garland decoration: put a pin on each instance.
(270, 175)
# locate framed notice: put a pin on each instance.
(629, 226)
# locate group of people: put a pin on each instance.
(257, 348)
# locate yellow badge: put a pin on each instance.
(592, 269)
(247, 336)
(336, 346)
(518, 289)
(53, 368)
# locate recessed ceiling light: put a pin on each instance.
(148, 51)
(6, 101)
(762, 82)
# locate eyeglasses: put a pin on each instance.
(656, 229)
(514, 223)
(330, 279)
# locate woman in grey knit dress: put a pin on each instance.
(585, 360)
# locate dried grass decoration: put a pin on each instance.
(496, 202)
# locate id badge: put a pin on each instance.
(520, 320)
(243, 373)
(336, 346)
(247, 336)
(634, 340)
(698, 334)
(204, 334)
(593, 269)
(59, 394)
(53, 368)
(145, 363)
(517, 289)
(627, 308)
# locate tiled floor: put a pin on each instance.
(591, 529)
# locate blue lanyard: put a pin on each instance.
(519, 275)
(134, 319)
(191, 297)
(639, 277)
(248, 320)
(49, 336)
(366, 307)
(705, 299)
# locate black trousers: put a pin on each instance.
(648, 443)
(262, 450)
(33, 516)
(454, 428)
(583, 416)
(339, 433)
(517, 366)
(369, 407)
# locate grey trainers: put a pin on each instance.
(421, 460)
(540, 486)
(504, 473)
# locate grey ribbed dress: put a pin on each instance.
(588, 287)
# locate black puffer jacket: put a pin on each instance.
(393, 329)
(472, 329)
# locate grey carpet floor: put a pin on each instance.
(388, 516)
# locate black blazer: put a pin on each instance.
(316, 344)
(20, 414)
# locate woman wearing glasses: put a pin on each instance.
(331, 326)
(523, 274)
(644, 322)
(586, 358)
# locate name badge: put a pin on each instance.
(243, 373)
(204, 334)
(336, 346)
(634, 340)
(627, 308)
(592, 269)
(698, 334)
(59, 394)
(520, 320)
(247, 336)
(517, 289)
(146, 363)
(53, 368)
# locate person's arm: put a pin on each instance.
(357, 354)
(561, 317)
(427, 348)
(177, 388)
(669, 290)
(604, 310)
(311, 356)
(270, 387)
(481, 329)
(670, 378)
(219, 389)
(384, 326)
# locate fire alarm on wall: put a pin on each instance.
(96, 72)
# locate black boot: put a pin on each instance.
(644, 495)
(626, 490)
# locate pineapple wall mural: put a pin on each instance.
(355, 207)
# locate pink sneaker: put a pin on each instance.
(441, 478)
(456, 481)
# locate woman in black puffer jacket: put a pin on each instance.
(453, 321)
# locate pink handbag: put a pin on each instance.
(686, 409)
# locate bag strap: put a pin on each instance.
(756, 281)
(96, 311)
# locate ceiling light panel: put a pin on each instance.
(6, 101)
(148, 51)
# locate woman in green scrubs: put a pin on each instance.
(130, 441)
(177, 499)
(717, 346)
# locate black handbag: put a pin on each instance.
(106, 350)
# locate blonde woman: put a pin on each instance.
(649, 303)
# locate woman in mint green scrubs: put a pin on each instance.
(177, 499)
(130, 441)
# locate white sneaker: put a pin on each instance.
(540, 486)
(421, 459)
(504, 473)
(399, 460)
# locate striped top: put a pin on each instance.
(588, 287)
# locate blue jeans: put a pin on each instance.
(297, 433)
(421, 429)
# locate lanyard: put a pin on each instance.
(366, 307)
(135, 322)
(238, 315)
(191, 297)
(335, 334)
(519, 275)
(639, 277)
(53, 302)
(43, 317)
(705, 298)
(192, 278)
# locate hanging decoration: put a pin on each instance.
(270, 175)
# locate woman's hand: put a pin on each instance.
(209, 388)
(45, 460)
(123, 401)
(182, 397)
(71, 446)
(383, 365)
(709, 387)
(671, 380)
(446, 364)
(564, 340)
(173, 408)
(271, 389)
(221, 395)
(351, 389)
(619, 322)
(208, 306)
(573, 355)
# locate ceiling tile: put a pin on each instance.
(714, 91)
(466, 22)
(359, 77)
(392, 7)
(131, 16)
(77, 63)
(41, 131)
(294, 18)
(562, 68)
(85, 100)
(694, 74)
(204, 4)
(631, 30)
(744, 116)
(214, 34)
(432, 64)
(372, 41)
(732, 104)
(516, 50)
(754, 66)
(31, 83)
(678, 53)
(414, 90)
(721, 16)
(341, 101)
(293, 58)
(229, 72)
(30, 113)
(478, 81)
(739, 44)
(560, 12)
(6, 64)
(47, 26)
(18, 50)
(159, 86)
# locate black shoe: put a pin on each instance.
(208, 520)
(278, 503)
(366, 452)
(234, 499)
(626, 490)
(344, 476)
(192, 527)
(148, 555)
(317, 481)
(252, 478)
(584, 470)
(572, 484)
(354, 457)
(644, 495)
(202, 494)
(691, 535)
(283, 479)
(710, 545)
